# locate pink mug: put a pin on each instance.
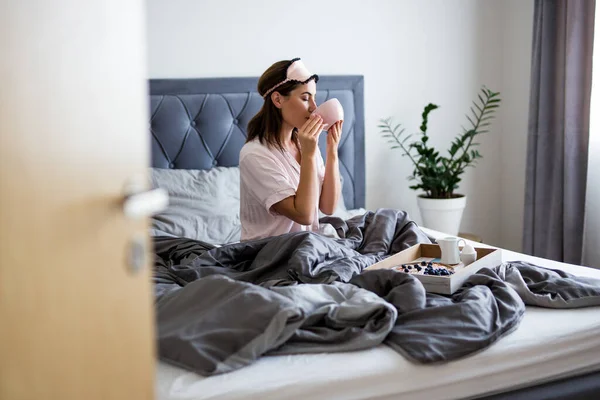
(331, 111)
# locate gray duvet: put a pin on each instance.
(220, 309)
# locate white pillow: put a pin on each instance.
(340, 212)
(203, 205)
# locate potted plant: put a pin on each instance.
(437, 176)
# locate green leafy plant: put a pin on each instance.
(438, 176)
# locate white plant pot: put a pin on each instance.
(442, 215)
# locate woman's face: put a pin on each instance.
(299, 104)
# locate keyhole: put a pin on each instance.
(136, 257)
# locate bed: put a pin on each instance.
(199, 124)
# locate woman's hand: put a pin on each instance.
(308, 135)
(334, 133)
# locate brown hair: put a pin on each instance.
(266, 124)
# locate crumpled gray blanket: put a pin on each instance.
(220, 309)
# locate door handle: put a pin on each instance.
(146, 203)
(139, 202)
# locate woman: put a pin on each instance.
(283, 180)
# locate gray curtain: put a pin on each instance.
(558, 136)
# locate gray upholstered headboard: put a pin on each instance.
(201, 123)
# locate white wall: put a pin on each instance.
(410, 52)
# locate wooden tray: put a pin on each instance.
(486, 257)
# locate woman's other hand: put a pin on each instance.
(334, 133)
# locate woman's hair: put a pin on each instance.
(266, 124)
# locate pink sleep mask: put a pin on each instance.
(296, 72)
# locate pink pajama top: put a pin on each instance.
(267, 176)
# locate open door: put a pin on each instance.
(76, 317)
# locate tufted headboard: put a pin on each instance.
(201, 124)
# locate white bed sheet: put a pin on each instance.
(546, 345)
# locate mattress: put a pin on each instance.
(548, 344)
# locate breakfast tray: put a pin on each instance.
(431, 253)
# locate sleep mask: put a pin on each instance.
(296, 72)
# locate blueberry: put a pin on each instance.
(419, 268)
(410, 267)
(423, 263)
